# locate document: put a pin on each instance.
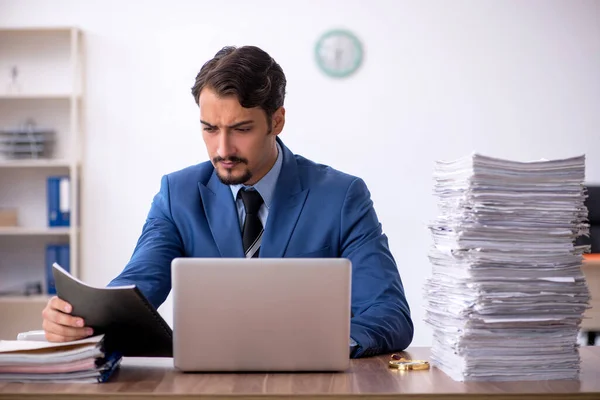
(80, 361)
(507, 295)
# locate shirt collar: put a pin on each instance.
(265, 186)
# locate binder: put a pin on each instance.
(56, 253)
(64, 256)
(51, 258)
(59, 201)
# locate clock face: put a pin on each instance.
(338, 53)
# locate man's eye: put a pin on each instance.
(243, 129)
(208, 129)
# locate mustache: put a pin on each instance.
(230, 159)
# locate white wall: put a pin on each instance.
(441, 79)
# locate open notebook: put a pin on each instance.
(80, 361)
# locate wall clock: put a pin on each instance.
(338, 53)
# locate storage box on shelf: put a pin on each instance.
(8, 217)
(41, 90)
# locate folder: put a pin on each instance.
(131, 325)
(59, 201)
(56, 253)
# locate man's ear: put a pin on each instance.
(278, 121)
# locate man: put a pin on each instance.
(253, 181)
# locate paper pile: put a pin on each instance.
(507, 295)
(81, 361)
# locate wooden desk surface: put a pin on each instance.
(367, 378)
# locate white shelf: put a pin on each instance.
(37, 29)
(23, 231)
(37, 298)
(36, 96)
(33, 163)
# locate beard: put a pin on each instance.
(228, 177)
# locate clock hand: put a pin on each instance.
(338, 57)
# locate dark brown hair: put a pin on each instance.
(247, 72)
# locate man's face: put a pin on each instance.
(238, 140)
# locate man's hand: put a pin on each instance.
(59, 326)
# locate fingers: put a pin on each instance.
(61, 318)
(60, 326)
(62, 333)
(59, 304)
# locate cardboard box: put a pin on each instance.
(8, 217)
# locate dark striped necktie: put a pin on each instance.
(253, 229)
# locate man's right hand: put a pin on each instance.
(59, 326)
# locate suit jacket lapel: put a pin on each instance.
(221, 213)
(287, 204)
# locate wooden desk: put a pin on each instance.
(144, 378)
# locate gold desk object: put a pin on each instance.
(404, 364)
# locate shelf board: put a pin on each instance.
(37, 298)
(38, 29)
(35, 163)
(24, 231)
(36, 96)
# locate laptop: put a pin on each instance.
(261, 314)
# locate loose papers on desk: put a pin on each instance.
(507, 294)
(81, 361)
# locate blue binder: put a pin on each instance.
(61, 254)
(59, 202)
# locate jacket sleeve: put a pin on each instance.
(160, 242)
(381, 321)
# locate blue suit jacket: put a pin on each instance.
(316, 211)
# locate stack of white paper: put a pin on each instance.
(78, 361)
(507, 295)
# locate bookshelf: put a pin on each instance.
(41, 80)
